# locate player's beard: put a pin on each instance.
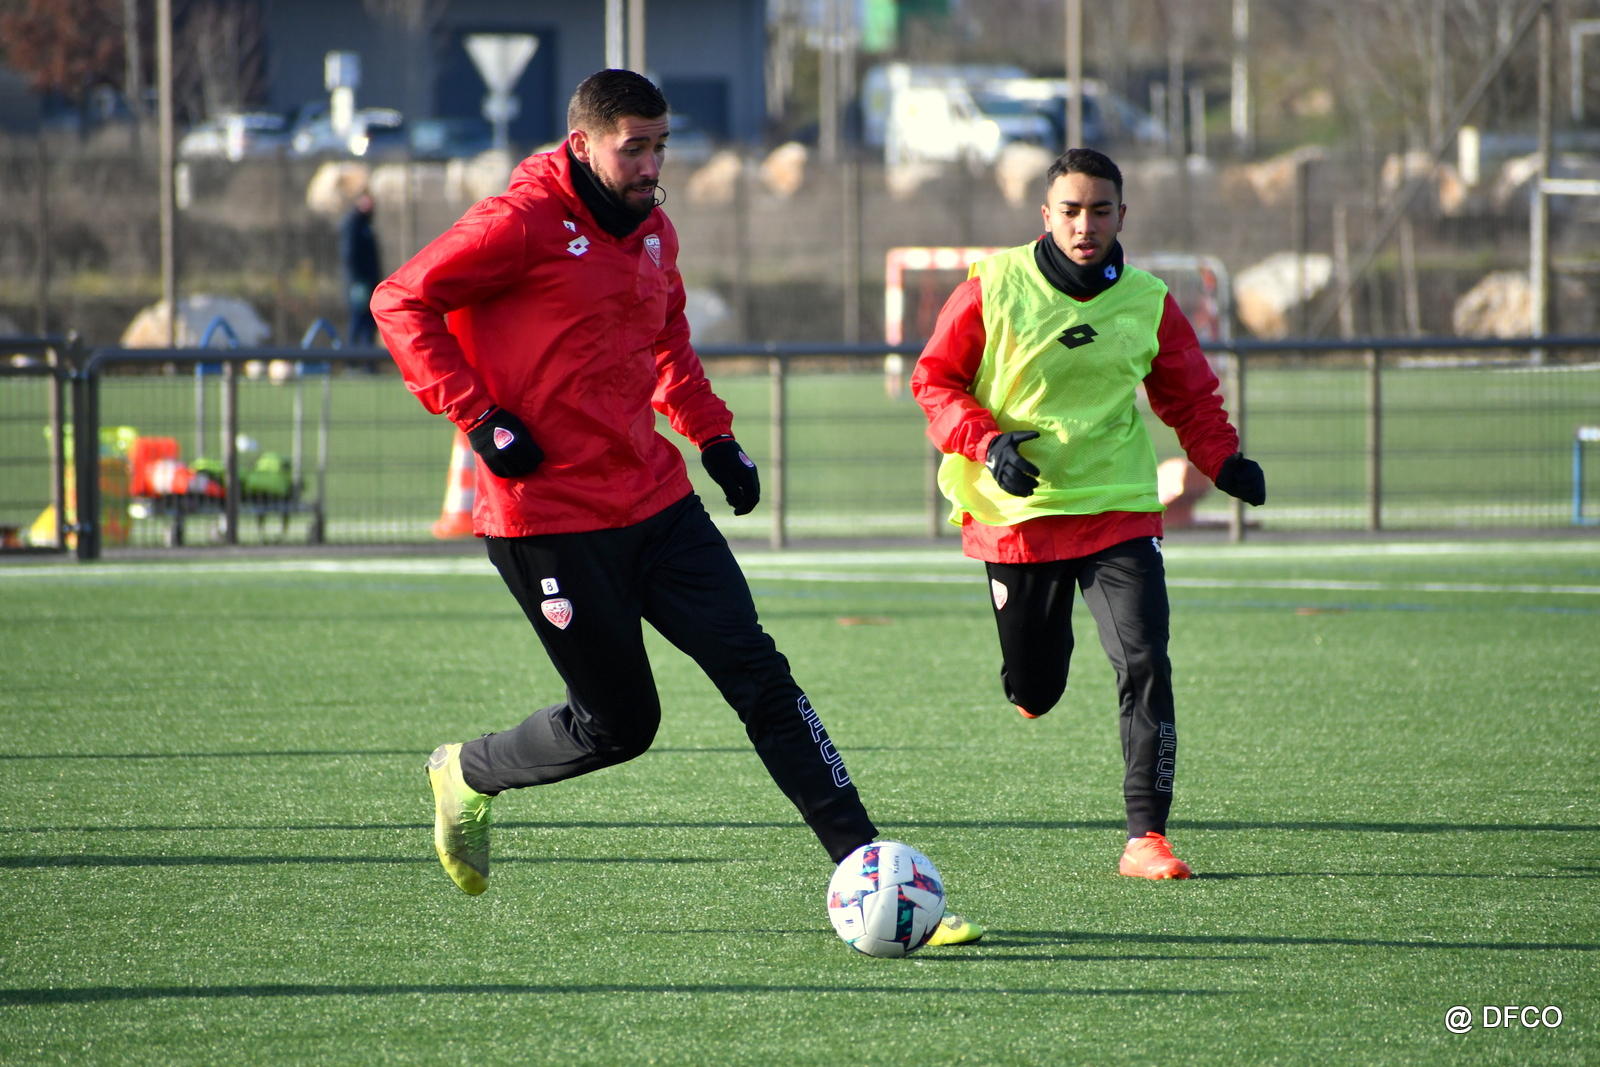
(628, 196)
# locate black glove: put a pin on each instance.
(734, 471)
(508, 450)
(1016, 475)
(1242, 478)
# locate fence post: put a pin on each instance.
(779, 421)
(936, 505)
(230, 451)
(319, 522)
(58, 447)
(1374, 439)
(1582, 435)
(1577, 478)
(86, 461)
(1236, 384)
(199, 410)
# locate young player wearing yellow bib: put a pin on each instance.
(1029, 384)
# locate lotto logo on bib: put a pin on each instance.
(559, 611)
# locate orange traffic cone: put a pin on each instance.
(459, 491)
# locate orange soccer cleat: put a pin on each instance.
(1151, 857)
(1025, 713)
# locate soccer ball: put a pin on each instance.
(885, 899)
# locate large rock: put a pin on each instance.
(1500, 305)
(717, 182)
(1273, 179)
(784, 169)
(1265, 294)
(1020, 170)
(149, 328)
(335, 186)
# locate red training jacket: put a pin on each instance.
(527, 303)
(1182, 391)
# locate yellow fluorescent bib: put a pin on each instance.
(1068, 370)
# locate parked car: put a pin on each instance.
(236, 136)
(1021, 108)
(939, 124)
(375, 132)
(875, 88)
(1107, 117)
(454, 138)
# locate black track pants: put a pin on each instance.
(673, 570)
(1125, 587)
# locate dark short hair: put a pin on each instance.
(1085, 161)
(603, 98)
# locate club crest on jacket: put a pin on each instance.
(652, 244)
(559, 611)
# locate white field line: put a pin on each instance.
(951, 555)
(392, 567)
(1200, 583)
(481, 569)
(824, 567)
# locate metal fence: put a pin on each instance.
(304, 445)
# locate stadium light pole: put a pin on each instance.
(615, 39)
(166, 188)
(636, 36)
(1239, 103)
(1539, 216)
(42, 253)
(828, 84)
(1174, 95)
(1074, 73)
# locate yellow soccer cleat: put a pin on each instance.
(460, 822)
(954, 930)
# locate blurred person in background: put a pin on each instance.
(546, 324)
(358, 256)
(1029, 384)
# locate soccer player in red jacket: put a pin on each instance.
(1029, 385)
(548, 324)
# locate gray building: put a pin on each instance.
(707, 56)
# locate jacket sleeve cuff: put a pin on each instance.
(470, 412)
(982, 451)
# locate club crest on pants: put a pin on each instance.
(559, 611)
(998, 591)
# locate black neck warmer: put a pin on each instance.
(1073, 279)
(614, 217)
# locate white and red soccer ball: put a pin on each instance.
(885, 899)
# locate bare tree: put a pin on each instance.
(222, 65)
(416, 20)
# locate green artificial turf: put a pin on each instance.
(215, 843)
